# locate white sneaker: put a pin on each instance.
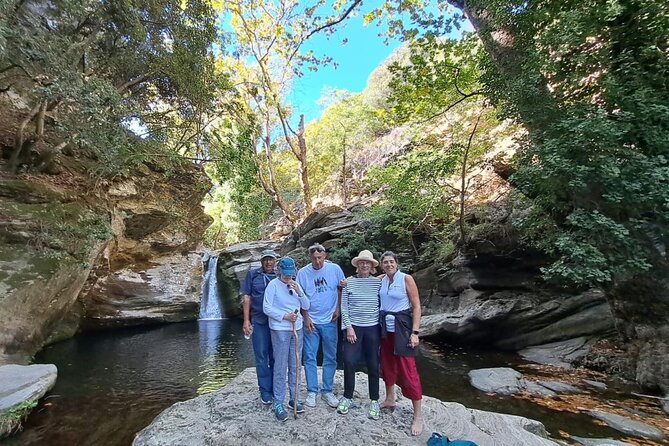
(330, 399)
(311, 399)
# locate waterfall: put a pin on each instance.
(210, 304)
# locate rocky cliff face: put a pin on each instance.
(106, 253)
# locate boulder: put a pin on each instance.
(321, 226)
(628, 426)
(507, 381)
(558, 353)
(234, 416)
(24, 383)
(500, 380)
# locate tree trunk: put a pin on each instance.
(304, 167)
(20, 146)
(270, 186)
(500, 39)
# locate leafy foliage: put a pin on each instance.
(596, 156)
(99, 68)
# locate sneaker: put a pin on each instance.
(311, 399)
(374, 410)
(300, 407)
(280, 412)
(266, 400)
(343, 406)
(330, 399)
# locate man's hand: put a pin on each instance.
(247, 327)
(308, 323)
(335, 315)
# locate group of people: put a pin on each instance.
(291, 313)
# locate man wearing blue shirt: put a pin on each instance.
(320, 281)
(255, 322)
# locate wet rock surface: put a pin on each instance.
(20, 384)
(629, 426)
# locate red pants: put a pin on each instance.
(400, 370)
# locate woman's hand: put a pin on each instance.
(350, 335)
(413, 341)
(294, 286)
(292, 317)
(343, 283)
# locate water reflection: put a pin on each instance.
(112, 384)
(221, 345)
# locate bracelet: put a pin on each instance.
(415, 332)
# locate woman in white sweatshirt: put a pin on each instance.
(283, 299)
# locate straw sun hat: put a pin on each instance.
(364, 255)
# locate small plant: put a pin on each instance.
(10, 421)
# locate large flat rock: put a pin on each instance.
(19, 383)
(559, 353)
(628, 426)
(599, 441)
(234, 416)
(500, 380)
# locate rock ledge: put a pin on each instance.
(233, 415)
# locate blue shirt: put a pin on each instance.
(254, 285)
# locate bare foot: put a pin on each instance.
(417, 426)
(386, 404)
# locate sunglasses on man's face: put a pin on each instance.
(314, 249)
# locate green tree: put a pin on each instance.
(94, 69)
(271, 35)
(345, 127)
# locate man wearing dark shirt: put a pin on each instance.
(256, 324)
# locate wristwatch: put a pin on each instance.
(415, 332)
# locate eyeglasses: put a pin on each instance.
(316, 248)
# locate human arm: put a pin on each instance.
(305, 303)
(340, 277)
(414, 300)
(245, 291)
(268, 306)
(346, 318)
(246, 312)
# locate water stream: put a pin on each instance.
(210, 306)
(112, 384)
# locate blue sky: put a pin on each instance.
(363, 52)
(356, 60)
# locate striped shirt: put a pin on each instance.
(360, 302)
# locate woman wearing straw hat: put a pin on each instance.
(360, 321)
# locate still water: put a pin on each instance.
(112, 384)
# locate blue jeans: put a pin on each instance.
(283, 344)
(328, 334)
(262, 347)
